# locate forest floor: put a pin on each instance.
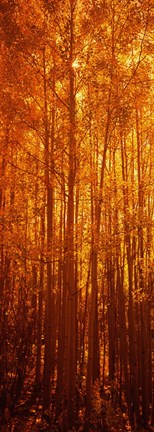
(29, 418)
(105, 416)
(34, 422)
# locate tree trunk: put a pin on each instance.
(40, 300)
(48, 304)
(131, 317)
(71, 307)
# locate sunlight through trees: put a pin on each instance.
(77, 213)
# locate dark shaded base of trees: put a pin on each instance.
(106, 414)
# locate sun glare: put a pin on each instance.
(75, 64)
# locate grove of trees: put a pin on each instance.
(77, 207)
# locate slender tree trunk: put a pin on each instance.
(143, 302)
(48, 304)
(71, 307)
(60, 390)
(96, 218)
(131, 317)
(40, 300)
(123, 335)
(84, 323)
(111, 318)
